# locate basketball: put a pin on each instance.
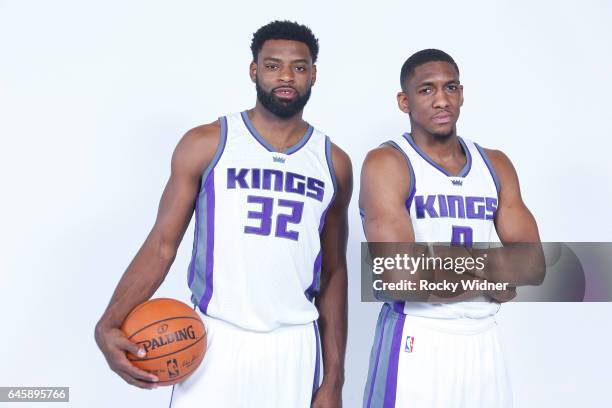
(173, 336)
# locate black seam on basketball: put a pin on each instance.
(169, 354)
(164, 320)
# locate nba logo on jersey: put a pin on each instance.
(409, 344)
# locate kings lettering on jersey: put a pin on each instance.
(455, 206)
(275, 180)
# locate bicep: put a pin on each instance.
(176, 207)
(385, 183)
(513, 220)
(191, 156)
(515, 223)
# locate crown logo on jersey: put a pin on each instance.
(457, 182)
(277, 159)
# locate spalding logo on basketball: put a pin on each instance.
(173, 336)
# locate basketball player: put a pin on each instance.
(422, 187)
(270, 195)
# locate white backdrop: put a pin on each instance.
(95, 95)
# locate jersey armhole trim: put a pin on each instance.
(394, 145)
(490, 167)
(330, 165)
(218, 152)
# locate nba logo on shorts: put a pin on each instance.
(409, 344)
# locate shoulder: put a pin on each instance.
(385, 173)
(500, 162)
(505, 171)
(385, 159)
(197, 147)
(340, 160)
(202, 136)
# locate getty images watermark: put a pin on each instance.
(410, 265)
(533, 272)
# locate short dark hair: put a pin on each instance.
(285, 30)
(420, 58)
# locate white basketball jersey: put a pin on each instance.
(451, 209)
(256, 254)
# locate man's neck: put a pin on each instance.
(281, 133)
(437, 148)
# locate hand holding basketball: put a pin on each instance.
(114, 345)
(172, 335)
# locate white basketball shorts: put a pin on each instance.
(419, 362)
(241, 368)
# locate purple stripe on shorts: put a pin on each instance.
(391, 386)
(209, 186)
(382, 334)
(315, 383)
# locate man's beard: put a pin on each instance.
(278, 107)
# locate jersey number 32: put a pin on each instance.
(283, 220)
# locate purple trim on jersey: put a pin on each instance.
(220, 149)
(195, 244)
(332, 173)
(391, 386)
(490, 167)
(408, 202)
(312, 290)
(209, 186)
(316, 270)
(468, 165)
(398, 307)
(209, 168)
(262, 141)
(362, 215)
(462, 173)
(315, 383)
(330, 165)
(374, 372)
(411, 196)
(301, 143)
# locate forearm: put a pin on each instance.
(332, 305)
(141, 279)
(462, 292)
(417, 269)
(515, 264)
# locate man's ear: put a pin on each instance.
(402, 102)
(314, 74)
(253, 71)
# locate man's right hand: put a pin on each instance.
(114, 345)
